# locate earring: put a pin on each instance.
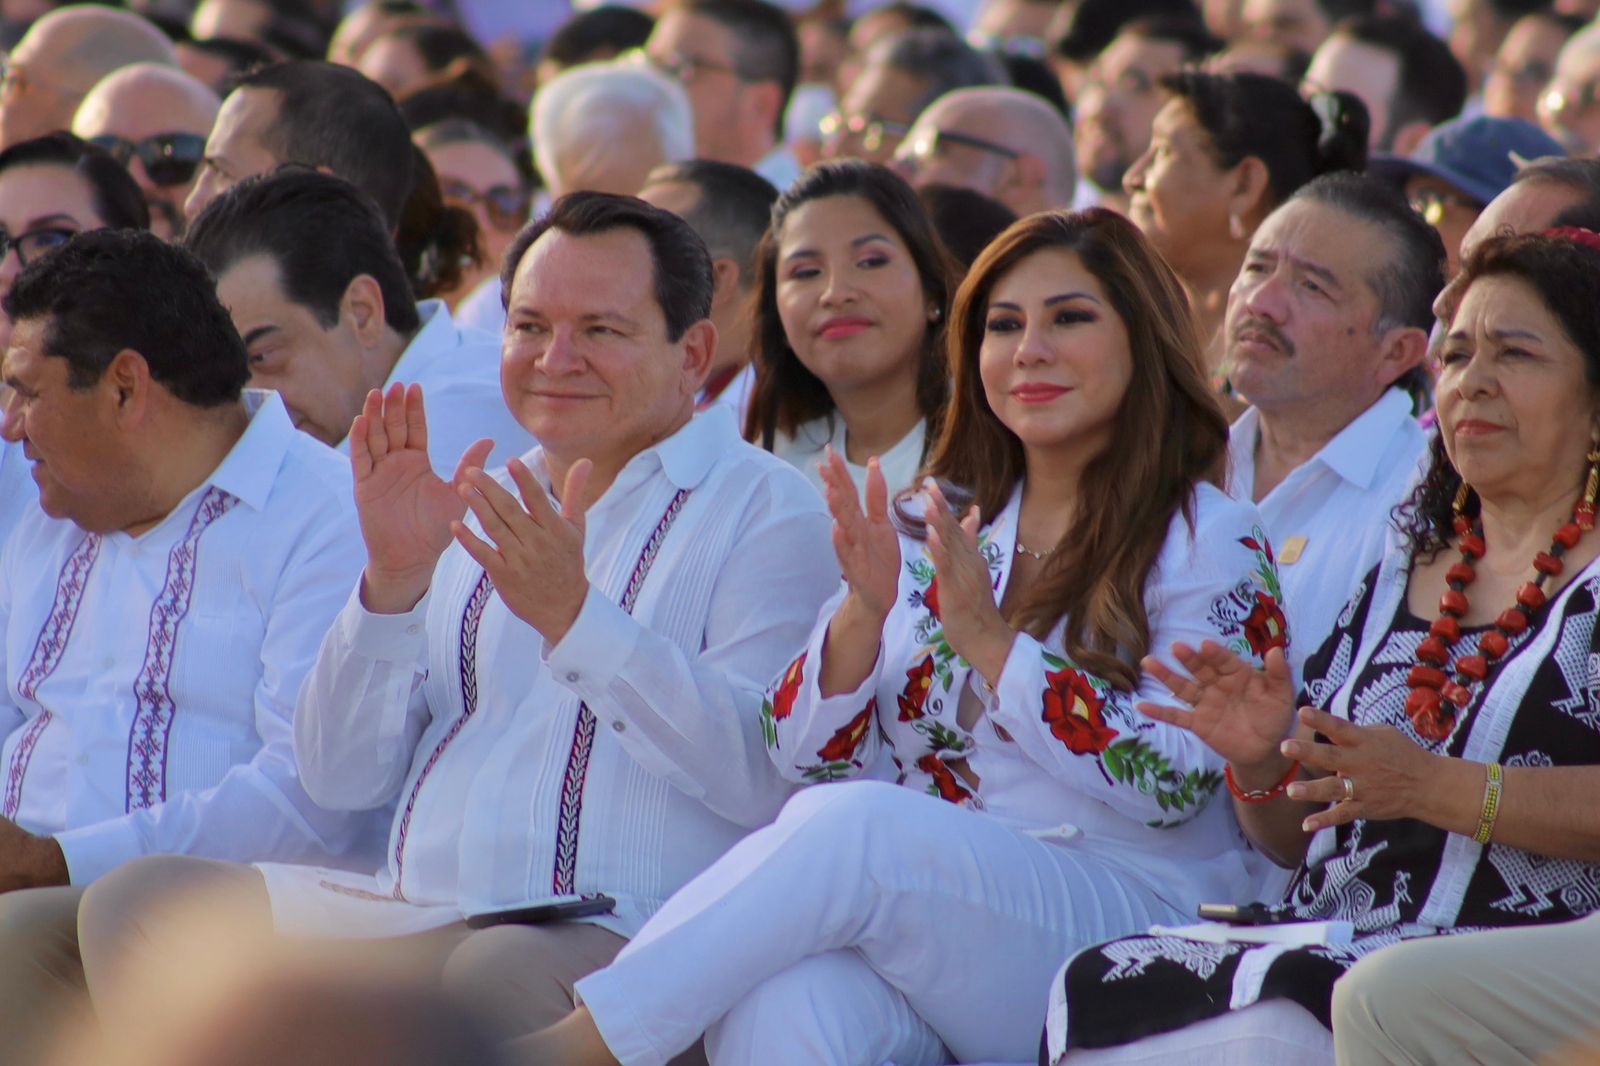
(935, 314)
(1583, 514)
(1463, 524)
(1235, 227)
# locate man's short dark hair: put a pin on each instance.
(1582, 176)
(943, 60)
(1094, 24)
(680, 262)
(242, 57)
(766, 47)
(1431, 86)
(109, 290)
(1188, 33)
(608, 30)
(732, 211)
(1415, 268)
(334, 117)
(320, 230)
(112, 190)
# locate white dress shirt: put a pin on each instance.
(1328, 519)
(804, 450)
(459, 371)
(780, 167)
(509, 791)
(150, 680)
(18, 491)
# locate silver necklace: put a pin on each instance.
(1023, 549)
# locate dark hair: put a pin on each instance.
(607, 30)
(766, 48)
(242, 57)
(916, 16)
(434, 239)
(108, 290)
(966, 220)
(296, 30)
(1252, 115)
(679, 260)
(1188, 33)
(1431, 86)
(1168, 436)
(1096, 23)
(452, 101)
(320, 230)
(1580, 175)
(1566, 275)
(1034, 76)
(116, 196)
(334, 117)
(440, 46)
(941, 59)
(786, 394)
(732, 210)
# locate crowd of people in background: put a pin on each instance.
(799, 531)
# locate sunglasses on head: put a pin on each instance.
(506, 205)
(169, 158)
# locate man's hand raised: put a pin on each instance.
(405, 508)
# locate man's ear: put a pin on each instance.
(1403, 347)
(1248, 201)
(126, 383)
(699, 351)
(362, 308)
(764, 104)
(725, 278)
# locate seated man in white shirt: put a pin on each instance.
(563, 696)
(1327, 326)
(158, 609)
(306, 268)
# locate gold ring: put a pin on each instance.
(1349, 787)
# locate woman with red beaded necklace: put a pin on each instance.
(1440, 773)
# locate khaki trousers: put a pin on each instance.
(41, 977)
(1506, 998)
(519, 977)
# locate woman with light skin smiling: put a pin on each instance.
(1005, 800)
(852, 285)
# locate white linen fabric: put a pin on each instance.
(482, 309)
(1339, 503)
(1087, 816)
(780, 167)
(622, 760)
(18, 491)
(804, 450)
(150, 679)
(459, 371)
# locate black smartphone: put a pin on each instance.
(543, 913)
(1248, 914)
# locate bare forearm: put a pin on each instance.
(851, 647)
(1547, 810)
(1274, 826)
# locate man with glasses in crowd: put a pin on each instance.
(738, 61)
(60, 59)
(155, 121)
(1570, 106)
(1007, 144)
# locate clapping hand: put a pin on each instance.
(1241, 713)
(534, 553)
(405, 508)
(973, 624)
(865, 540)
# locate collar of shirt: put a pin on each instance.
(438, 334)
(1353, 454)
(251, 465)
(685, 458)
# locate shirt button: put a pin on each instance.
(619, 726)
(572, 676)
(413, 630)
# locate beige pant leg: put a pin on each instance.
(522, 976)
(41, 977)
(1508, 997)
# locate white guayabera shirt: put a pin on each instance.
(624, 759)
(150, 680)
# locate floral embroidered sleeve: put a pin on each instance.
(812, 738)
(1221, 586)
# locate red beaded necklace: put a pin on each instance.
(1436, 698)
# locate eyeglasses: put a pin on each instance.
(506, 205)
(35, 242)
(926, 146)
(871, 132)
(1560, 101)
(681, 66)
(1527, 76)
(169, 158)
(1432, 203)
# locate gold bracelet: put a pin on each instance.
(1491, 805)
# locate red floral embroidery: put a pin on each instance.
(842, 747)
(930, 599)
(919, 682)
(1265, 628)
(1073, 709)
(943, 779)
(1263, 546)
(788, 689)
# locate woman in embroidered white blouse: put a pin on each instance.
(988, 660)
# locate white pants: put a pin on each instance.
(868, 923)
(1274, 1032)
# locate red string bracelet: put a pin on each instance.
(1259, 795)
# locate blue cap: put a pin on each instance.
(1479, 156)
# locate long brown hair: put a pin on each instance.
(786, 395)
(1168, 434)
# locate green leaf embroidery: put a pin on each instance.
(1133, 762)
